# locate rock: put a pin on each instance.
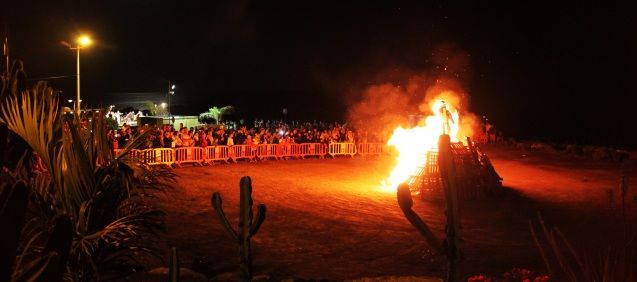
(588, 150)
(522, 146)
(620, 155)
(538, 146)
(573, 149)
(398, 279)
(228, 276)
(601, 153)
(374, 279)
(185, 274)
(234, 276)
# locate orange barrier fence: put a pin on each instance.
(284, 151)
(294, 150)
(189, 155)
(238, 152)
(137, 154)
(198, 155)
(370, 148)
(265, 151)
(116, 151)
(312, 150)
(134, 153)
(159, 156)
(216, 153)
(341, 149)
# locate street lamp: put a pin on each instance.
(171, 91)
(82, 41)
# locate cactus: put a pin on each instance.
(246, 228)
(450, 247)
(173, 272)
(623, 187)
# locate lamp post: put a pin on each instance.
(171, 91)
(82, 41)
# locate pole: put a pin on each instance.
(77, 109)
(5, 53)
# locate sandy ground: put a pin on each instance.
(329, 219)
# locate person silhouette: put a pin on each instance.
(447, 119)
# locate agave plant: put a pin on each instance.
(105, 194)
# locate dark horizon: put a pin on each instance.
(559, 72)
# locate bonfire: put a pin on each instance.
(417, 155)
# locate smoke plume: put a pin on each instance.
(385, 106)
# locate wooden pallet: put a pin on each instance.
(475, 174)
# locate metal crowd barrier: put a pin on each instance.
(192, 155)
(159, 156)
(216, 153)
(313, 150)
(265, 151)
(211, 154)
(366, 149)
(342, 149)
(295, 151)
(238, 152)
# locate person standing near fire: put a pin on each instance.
(447, 119)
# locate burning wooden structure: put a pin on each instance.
(474, 173)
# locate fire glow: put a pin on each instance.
(412, 144)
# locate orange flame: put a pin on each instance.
(412, 144)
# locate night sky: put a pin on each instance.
(561, 72)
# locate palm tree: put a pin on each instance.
(152, 108)
(104, 194)
(217, 113)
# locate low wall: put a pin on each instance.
(188, 121)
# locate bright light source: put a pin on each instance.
(163, 105)
(97, 111)
(70, 101)
(172, 87)
(84, 40)
(282, 132)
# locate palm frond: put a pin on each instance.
(33, 115)
(104, 194)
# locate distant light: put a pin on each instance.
(172, 87)
(70, 101)
(163, 105)
(84, 40)
(281, 132)
(97, 111)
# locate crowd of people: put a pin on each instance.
(263, 132)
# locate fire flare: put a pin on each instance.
(412, 144)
